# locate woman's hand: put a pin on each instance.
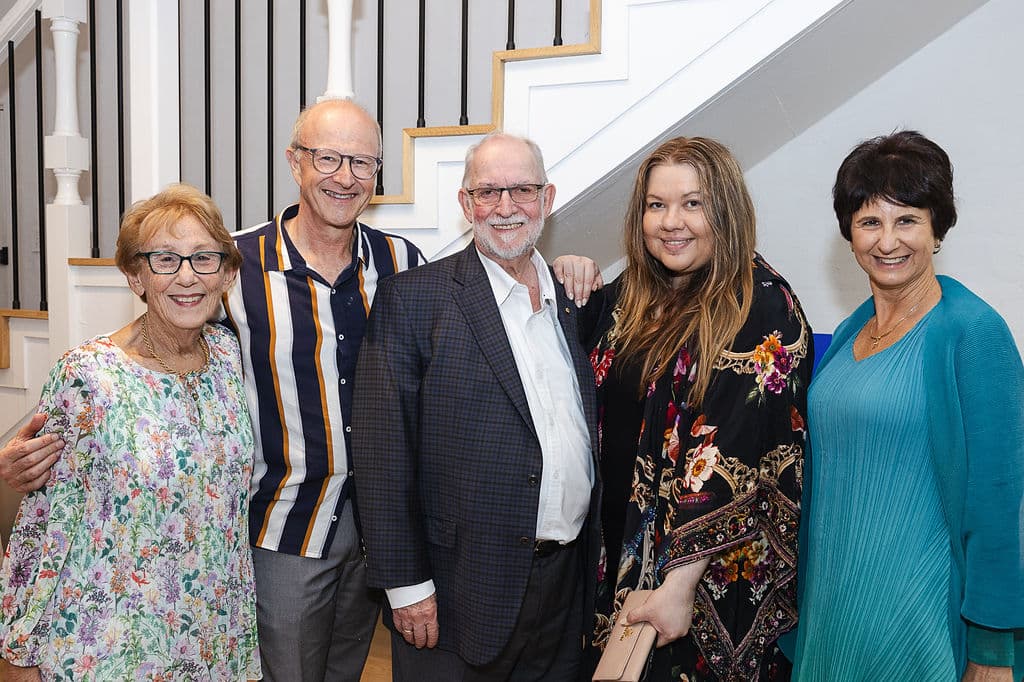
(14, 673)
(987, 673)
(670, 608)
(580, 276)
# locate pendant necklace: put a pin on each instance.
(875, 340)
(191, 386)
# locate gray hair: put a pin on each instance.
(538, 158)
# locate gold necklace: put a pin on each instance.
(876, 339)
(163, 364)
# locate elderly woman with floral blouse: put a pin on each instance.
(133, 562)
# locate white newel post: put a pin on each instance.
(339, 51)
(66, 153)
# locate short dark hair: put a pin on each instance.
(904, 168)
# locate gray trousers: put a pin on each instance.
(315, 616)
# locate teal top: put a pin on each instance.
(961, 365)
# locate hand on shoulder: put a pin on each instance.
(25, 460)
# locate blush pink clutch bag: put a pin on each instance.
(625, 655)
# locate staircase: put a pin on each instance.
(652, 67)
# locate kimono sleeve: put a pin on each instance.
(47, 522)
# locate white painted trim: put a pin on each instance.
(153, 122)
(18, 21)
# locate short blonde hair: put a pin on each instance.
(147, 217)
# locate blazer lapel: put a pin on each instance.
(476, 300)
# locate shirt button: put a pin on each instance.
(533, 479)
(334, 518)
(333, 292)
(341, 337)
(348, 429)
(343, 381)
(351, 474)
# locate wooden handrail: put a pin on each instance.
(499, 59)
(5, 330)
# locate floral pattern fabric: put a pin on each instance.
(133, 563)
(722, 481)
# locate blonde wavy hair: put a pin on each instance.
(656, 319)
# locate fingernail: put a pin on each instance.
(582, 303)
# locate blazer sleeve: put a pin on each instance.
(384, 443)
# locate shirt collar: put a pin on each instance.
(502, 283)
(282, 255)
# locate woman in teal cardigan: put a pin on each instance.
(912, 551)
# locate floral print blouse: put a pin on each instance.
(722, 481)
(133, 563)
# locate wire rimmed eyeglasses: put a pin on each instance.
(520, 194)
(169, 262)
(328, 161)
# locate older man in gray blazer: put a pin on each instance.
(474, 440)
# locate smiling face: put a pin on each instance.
(893, 244)
(506, 231)
(676, 230)
(183, 301)
(333, 201)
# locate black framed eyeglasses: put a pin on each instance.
(169, 262)
(328, 161)
(520, 194)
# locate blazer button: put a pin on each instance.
(533, 479)
(525, 541)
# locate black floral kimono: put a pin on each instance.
(722, 481)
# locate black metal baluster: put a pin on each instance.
(12, 102)
(558, 23)
(302, 55)
(464, 118)
(380, 85)
(120, 109)
(93, 127)
(421, 120)
(511, 43)
(270, 109)
(40, 187)
(238, 114)
(208, 96)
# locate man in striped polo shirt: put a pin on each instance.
(300, 306)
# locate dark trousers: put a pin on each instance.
(545, 644)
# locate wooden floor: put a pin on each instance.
(378, 663)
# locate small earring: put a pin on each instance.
(938, 246)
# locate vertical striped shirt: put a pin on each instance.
(300, 336)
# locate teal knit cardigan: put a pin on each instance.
(975, 402)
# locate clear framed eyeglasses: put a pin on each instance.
(520, 194)
(328, 161)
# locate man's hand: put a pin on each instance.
(987, 673)
(418, 622)
(580, 276)
(670, 608)
(25, 461)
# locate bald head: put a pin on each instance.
(343, 114)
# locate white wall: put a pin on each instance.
(964, 91)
